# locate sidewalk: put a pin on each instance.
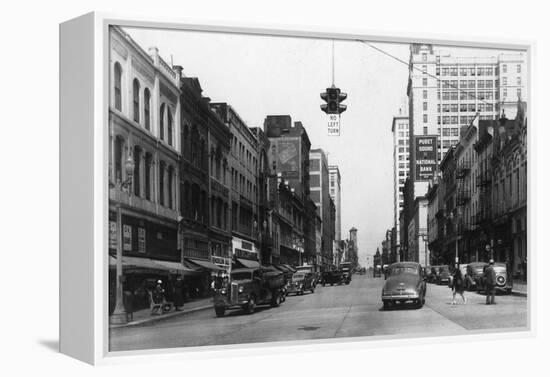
(520, 288)
(144, 317)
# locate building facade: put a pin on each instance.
(400, 130)
(336, 196)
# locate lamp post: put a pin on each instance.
(119, 314)
(425, 240)
(451, 216)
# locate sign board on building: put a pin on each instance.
(112, 235)
(141, 240)
(289, 155)
(127, 237)
(333, 124)
(425, 148)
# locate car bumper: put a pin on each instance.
(400, 297)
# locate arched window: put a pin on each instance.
(118, 87)
(119, 148)
(184, 139)
(148, 170)
(170, 187)
(147, 108)
(170, 131)
(161, 182)
(137, 169)
(135, 96)
(161, 124)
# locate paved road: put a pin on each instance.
(331, 312)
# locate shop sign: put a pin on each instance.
(127, 237)
(112, 235)
(141, 240)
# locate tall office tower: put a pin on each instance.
(445, 93)
(335, 194)
(400, 130)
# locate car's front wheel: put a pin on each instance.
(220, 311)
(387, 305)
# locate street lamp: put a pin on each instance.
(119, 314)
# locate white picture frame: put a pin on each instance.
(84, 194)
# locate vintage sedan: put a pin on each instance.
(444, 275)
(474, 275)
(504, 283)
(405, 283)
(332, 277)
(301, 281)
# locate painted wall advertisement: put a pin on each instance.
(289, 159)
(426, 157)
(127, 237)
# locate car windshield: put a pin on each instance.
(403, 269)
(242, 275)
(444, 269)
(298, 276)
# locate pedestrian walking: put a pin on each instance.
(158, 293)
(128, 302)
(178, 293)
(458, 285)
(490, 282)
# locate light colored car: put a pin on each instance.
(405, 283)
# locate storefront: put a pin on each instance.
(244, 254)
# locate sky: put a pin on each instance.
(272, 75)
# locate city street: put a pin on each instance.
(331, 312)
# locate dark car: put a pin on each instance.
(428, 273)
(474, 275)
(405, 283)
(504, 283)
(301, 281)
(377, 271)
(444, 275)
(332, 277)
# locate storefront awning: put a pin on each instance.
(147, 265)
(178, 268)
(205, 264)
(289, 267)
(248, 263)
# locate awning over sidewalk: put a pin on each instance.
(248, 263)
(205, 264)
(178, 268)
(147, 265)
(290, 268)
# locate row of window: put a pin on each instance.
(463, 95)
(505, 81)
(246, 157)
(243, 185)
(468, 84)
(465, 107)
(139, 100)
(466, 71)
(454, 119)
(505, 68)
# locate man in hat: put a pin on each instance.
(490, 282)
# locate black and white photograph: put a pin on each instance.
(277, 188)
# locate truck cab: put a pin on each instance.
(249, 287)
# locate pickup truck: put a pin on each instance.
(249, 287)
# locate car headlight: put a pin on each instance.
(301, 285)
(223, 291)
(241, 289)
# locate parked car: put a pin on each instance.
(428, 273)
(504, 282)
(301, 281)
(332, 277)
(377, 271)
(474, 275)
(444, 276)
(434, 275)
(405, 283)
(346, 272)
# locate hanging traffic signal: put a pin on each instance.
(333, 96)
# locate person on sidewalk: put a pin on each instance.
(490, 282)
(178, 293)
(458, 285)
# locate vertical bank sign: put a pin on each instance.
(426, 157)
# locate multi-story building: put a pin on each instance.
(243, 173)
(418, 232)
(467, 195)
(336, 195)
(400, 130)
(353, 247)
(435, 225)
(289, 158)
(194, 174)
(447, 201)
(320, 194)
(144, 149)
(219, 146)
(445, 92)
(509, 191)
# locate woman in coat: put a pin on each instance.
(458, 285)
(178, 293)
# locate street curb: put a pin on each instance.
(521, 294)
(160, 318)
